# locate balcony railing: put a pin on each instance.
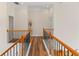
(57, 47)
(19, 47)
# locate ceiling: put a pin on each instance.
(38, 4)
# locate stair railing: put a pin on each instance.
(59, 48)
(18, 48)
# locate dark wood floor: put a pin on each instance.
(37, 48)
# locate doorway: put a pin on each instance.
(40, 18)
(10, 34)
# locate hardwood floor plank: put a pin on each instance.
(37, 48)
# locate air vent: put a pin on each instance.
(17, 3)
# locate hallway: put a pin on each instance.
(37, 48)
(47, 45)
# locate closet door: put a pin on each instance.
(10, 27)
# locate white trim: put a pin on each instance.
(46, 48)
(28, 50)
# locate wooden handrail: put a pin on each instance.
(10, 47)
(18, 30)
(62, 43)
(21, 40)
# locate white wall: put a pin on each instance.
(66, 23)
(21, 21)
(40, 18)
(3, 26)
(19, 13)
(11, 9)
